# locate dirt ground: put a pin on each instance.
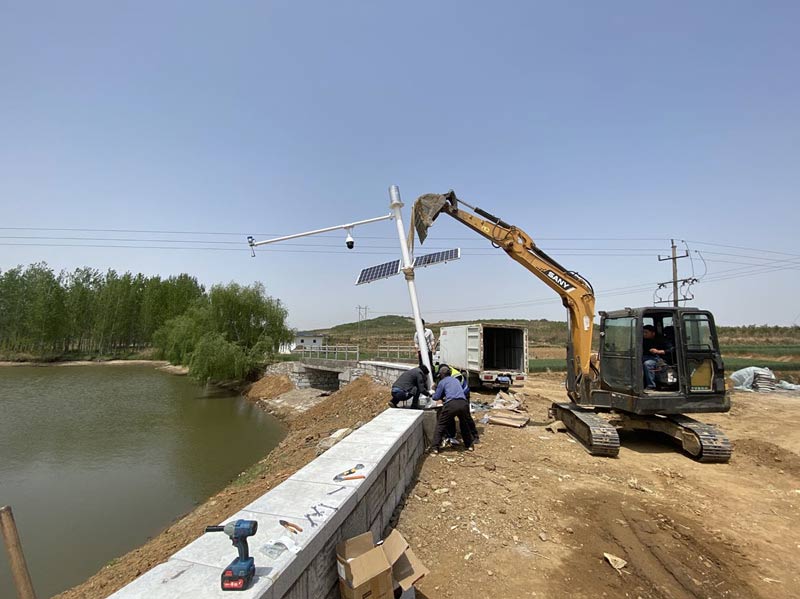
(530, 513)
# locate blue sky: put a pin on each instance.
(601, 129)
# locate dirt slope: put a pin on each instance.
(530, 513)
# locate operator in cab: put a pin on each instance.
(654, 348)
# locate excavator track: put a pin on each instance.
(596, 435)
(715, 447)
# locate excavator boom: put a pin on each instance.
(576, 292)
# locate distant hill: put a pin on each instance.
(394, 329)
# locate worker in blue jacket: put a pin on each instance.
(450, 436)
(454, 405)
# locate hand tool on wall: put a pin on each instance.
(290, 526)
(341, 476)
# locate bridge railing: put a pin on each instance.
(330, 352)
(406, 353)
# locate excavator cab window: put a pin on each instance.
(618, 353)
(702, 351)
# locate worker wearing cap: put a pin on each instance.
(409, 386)
(454, 405)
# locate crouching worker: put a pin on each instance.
(409, 386)
(455, 405)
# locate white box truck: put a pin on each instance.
(494, 355)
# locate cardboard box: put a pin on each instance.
(369, 571)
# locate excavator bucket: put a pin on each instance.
(427, 208)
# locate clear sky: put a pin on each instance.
(603, 129)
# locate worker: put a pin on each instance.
(409, 385)
(454, 405)
(451, 429)
(654, 348)
(430, 342)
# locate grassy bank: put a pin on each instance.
(52, 358)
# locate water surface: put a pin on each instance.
(94, 460)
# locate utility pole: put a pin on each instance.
(675, 280)
(359, 318)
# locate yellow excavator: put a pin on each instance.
(610, 393)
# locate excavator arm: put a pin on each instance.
(576, 292)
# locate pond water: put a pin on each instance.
(94, 460)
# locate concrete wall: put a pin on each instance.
(304, 377)
(389, 447)
(382, 372)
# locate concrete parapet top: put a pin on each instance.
(397, 365)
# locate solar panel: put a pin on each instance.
(381, 271)
(437, 257)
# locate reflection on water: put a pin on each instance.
(94, 460)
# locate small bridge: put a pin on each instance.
(331, 367)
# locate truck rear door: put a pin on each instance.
(474, 348)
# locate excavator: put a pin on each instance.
(607, 392)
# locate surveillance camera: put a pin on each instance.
(349, 242)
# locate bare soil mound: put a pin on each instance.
(269, 387)
(768, 455)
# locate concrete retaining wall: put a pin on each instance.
(304, 377)
(382, 372)
(389, 447)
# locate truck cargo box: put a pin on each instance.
(494, 355)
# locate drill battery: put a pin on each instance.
(238, 575)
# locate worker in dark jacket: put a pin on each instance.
(409, 386)
(455, 405)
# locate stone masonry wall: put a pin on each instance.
(388, 449)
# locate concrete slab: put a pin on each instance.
(178, 579)
(350, 450)
(323, 470)
(292, 499)
(374, 436)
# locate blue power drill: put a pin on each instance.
(239, 573)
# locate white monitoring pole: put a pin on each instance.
(395, 205)
(348, 227)
(408, 270)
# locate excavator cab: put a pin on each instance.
(689, 377)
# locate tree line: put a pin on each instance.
(223, 333)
